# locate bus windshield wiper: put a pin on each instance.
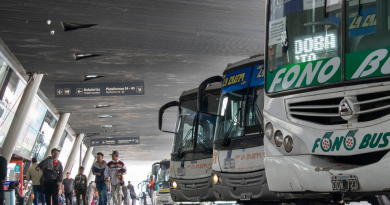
(206, 149)
(226, 139)
(179, 152)
(258, 113)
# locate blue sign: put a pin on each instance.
(17, 168)
(362, 24)
(239, 79)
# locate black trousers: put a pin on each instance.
(83, 194)
(51, 192)
(1, 193)
(69, 198)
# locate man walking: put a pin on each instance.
(100, 170)
(80, 187)
(133, 196)
(35, 177)
(125, 198)
(90, 191)
(116, 168)
(67, 189)
(52, 176)
(152, 193)
(3, 175)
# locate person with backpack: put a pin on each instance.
(52, 176)
(35, 177)
(100, 170)
(80, 186)
(133, 196)
(152, 192)
(116, 170)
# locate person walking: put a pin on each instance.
(133, 196)
(108, 194)
(116, 168)
(144, 198)
(3, 175)
(35, 177)
(125, 198)
(67, 189)
(90, 192)
(52, 176)
(100, 170)
(152, 193)
(80, 186)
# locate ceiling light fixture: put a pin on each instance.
(109, 137)
(74, 26)
(107, 131)
(48, 22)
(52, 32)
(90, 77)
(106, 126)
(78, 56)
(104, 116)
(101, 106)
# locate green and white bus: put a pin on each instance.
(327, 102)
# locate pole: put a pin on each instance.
(20, 116)
(73, 154)
(58, 132)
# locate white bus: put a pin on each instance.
(327, 101)
(160, 171)
(191, 157)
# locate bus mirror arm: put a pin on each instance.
(202, 87)
(161, 113)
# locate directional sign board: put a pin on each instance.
(115, 141)
(99, 89)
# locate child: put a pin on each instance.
(80, 186)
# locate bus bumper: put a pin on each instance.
(313, 173)
(163, 199)
(193, 190)
(242, 186)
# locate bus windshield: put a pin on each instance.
(207, 121)
(184, 127)
(232, 110)
(163, 175)
(301, 33)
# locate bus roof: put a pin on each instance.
(253, 60)
(193, 93)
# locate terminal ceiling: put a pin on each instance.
(171, 45)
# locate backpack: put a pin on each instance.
(156, 187)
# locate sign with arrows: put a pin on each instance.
(115, 141)
(99, 89)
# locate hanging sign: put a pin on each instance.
(99, 89)
(115, 141)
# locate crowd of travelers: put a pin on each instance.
(49, 187)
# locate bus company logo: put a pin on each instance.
(327, 144)
(234, 79)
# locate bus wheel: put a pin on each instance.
(384, 199)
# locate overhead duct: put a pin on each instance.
(74, 26)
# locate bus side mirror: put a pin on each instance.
(161, 113)
(202, 87)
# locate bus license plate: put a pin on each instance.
(345, 183)
(195, 198)
(181, 171)
(229, 163)
(245, 196)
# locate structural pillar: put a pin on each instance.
(73, 153)
(91, 177)
(20, 116)
(58, 132)
(88, 155)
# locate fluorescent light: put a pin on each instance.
(104, 116)
(91, 76)
(109, 137)
(105, 126)
(101, 106)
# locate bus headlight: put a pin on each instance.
(278, 138)
(288, 144)
(269, 130)
(215, 179)
(156, 196)
(174, 185)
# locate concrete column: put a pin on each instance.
(57, 133)
(73, 154)
(91, 177)
(88, 155)
(20, 116)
